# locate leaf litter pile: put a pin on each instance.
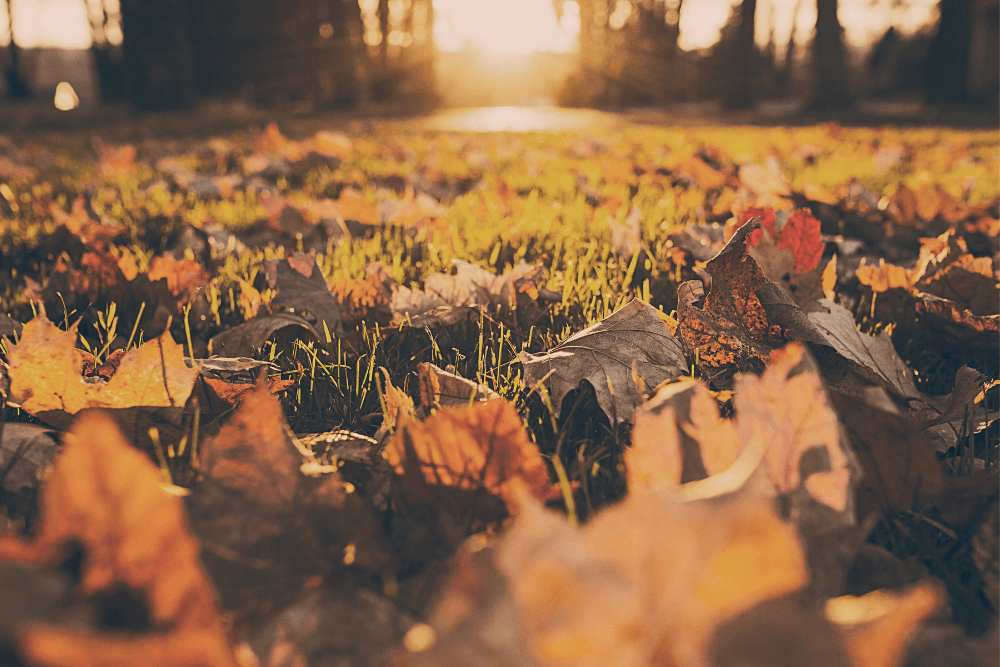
(375, 397)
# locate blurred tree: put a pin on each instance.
(158, 53)
(16, 88)
(105, 37)
(829, 60)
(742, 86)
(948, 65)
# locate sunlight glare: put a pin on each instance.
(66, 98)
(512, 26)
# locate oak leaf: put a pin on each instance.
(632, 345)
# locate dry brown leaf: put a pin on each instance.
(648, 577)
(731, 331)
(874, 357)
(440, 388)
(950, 325)
(255, 455)
(633, 342)
(483, 446)
(397, 403)
(107, 497)
(788, 410)
(45, 374)
(679, 437)
(878, 626)
(901, 471)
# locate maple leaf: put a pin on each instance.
(268, 512)
(46, 381)
(632, 345)
(478, 447)
(106, 496)
(788, 410)
(646, 581)
(775, 252)
(679, 437)
(784, 416)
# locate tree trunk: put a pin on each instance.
(948, 66)
(742, 86)
(383, 25)
(829, 62)
(16, 88)
(158, 54)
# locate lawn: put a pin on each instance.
(367, 394)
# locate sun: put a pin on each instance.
(508, 27)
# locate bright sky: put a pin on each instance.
(521, 26)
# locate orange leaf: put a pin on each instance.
(707, 177)
(45, 373)
(878, 626)
(483, 446)
(106, 496)
(354, 207)
(787, 409)
(183, 276)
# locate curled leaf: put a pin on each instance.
(633, 342)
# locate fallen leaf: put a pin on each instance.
(633, 342)
(186, 276)
(517, 296)
(301, 289)
(679, 437)
(788, 410)
(878, 626)
(873, 357)
(247, 339)
(478, 447)
(706, 177)
(473, 622)
(271, 516)
(26, 452)
(45, 374)
(439, 388)
(731, 331)
(951, 326)
(901, 472)
(647, 577)
(106, 496)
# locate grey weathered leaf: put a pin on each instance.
(25, 451)
(247, 339)
(874, 356)
(632, 340)
(301, 288)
